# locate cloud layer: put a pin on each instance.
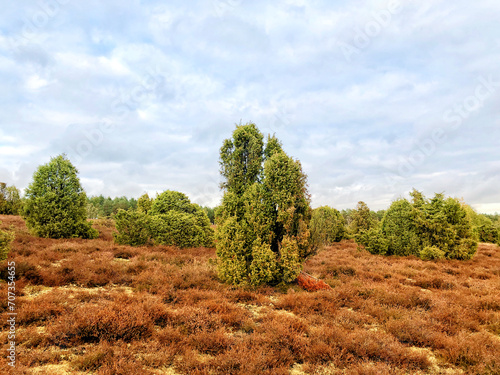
(375, 98)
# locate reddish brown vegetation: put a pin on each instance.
(93, 306)
(311, 283)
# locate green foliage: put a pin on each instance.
(400, 229)
(172, 201)
(430, 229)
(144, 203)
(106, 207)
(210, 213)
(232, 248)
(431, 253)
(6, 239)
(263, 221)
(241, 158)
(485, 227)
(56, 205)
(181, 229)
(10, 200)
(170, 219)
(327, 226)
(273, 146)
(290, 262)
(263, 268)
(362, 219)
(92, 211)
(133, 228)
(373, 240)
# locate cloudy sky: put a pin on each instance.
(373, 97)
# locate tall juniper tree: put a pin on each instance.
(263, 234)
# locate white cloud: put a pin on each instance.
(172, 80)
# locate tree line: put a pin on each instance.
(265, 226)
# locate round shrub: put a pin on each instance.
(170, 219)
(180, 229)
(56, 205)
(172, 201)
(133, 228)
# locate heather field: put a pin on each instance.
(95, 307)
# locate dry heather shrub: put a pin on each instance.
(108, 359)
(195, 276)
(241, 295)
(248, 358)
(25, 269)
(374, 346)
(38, 357)
(154, 278)
(86, 270)
(31, 337)
(211, 342)
(193, 319)
(318, 352)
(351, 319)
(478, 353)
(283, 337)
(453, 318)
(488, 303)
(321, 302)
(409, 299)
(370, 368)
(94, 358)
(435, 283)
(229, 314)
(171, 336)
(416, 331)
(108, 320)
(41, 309)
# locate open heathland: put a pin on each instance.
(92, 306)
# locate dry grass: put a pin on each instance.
(90, 306)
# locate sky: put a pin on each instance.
(374, 98)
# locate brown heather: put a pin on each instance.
(94, 307)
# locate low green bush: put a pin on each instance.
(180, 229)
(427, 228)
(133, 228)
(170, 219)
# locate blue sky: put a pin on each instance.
(373, 97)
